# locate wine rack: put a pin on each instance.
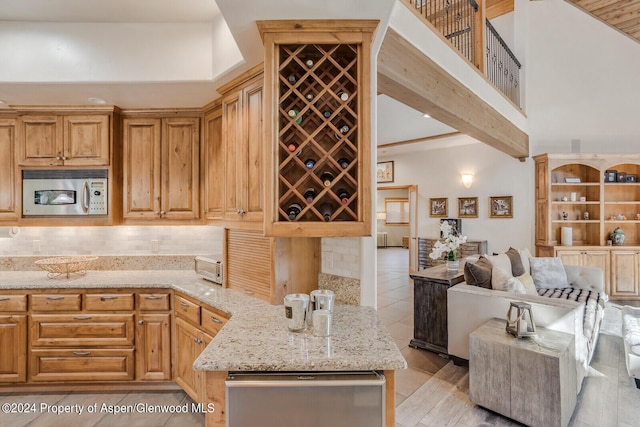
(318, 95)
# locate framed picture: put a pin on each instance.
(438, 207)
(384, 171)
(455, 223)
(501, 207)
(468, 207)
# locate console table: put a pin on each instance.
(425, 246)
(430, 307)
(531, 380)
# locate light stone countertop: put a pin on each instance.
(256, 338)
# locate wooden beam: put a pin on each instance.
(409, 76)
(416, 140)
(497, 8)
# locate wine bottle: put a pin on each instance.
(292, 146)
(292, 78)
(344, 129)
(309, 163)
(326, 210)
(309, 96)
(343, 195)
(310, 194)
(327, 178)
(293, 211)
(343, 162)
(343, 96)
(326, 114)
(295, 114)
(309, 63)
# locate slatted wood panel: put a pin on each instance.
(623, 15)
(249, 263)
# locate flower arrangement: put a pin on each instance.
(451, 243)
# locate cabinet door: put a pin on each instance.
(602, 260)
(153, 347)
(40, 140)
(624, 273)
(86, 140)
(213, 164)
(8, 201)
(180, 168)
(141, 168)
(13, 342)
(569, 257)
(232, 136)
(252, 154)
(187, 349)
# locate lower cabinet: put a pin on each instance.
(13, 348)
(153, 347)
(81, 364)
(190, 342)
(625, 272)
(587, 258)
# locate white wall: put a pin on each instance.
(437, 174)
(583, 80)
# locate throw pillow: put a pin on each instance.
(500, 261)
(524, 256)
(527, 282)
(502, 280)
(478, 273)
(548, 273)
(517, 269)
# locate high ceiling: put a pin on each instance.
(623, 15)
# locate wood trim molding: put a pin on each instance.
(407, 75)
(417, 140)
(496, 8)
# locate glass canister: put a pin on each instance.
(295, 309)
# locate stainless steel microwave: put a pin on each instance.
(65, 192)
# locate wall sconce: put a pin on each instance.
(467, 179)
(381, 215)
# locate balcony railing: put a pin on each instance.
(460, 22)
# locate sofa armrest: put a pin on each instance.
(587, 278)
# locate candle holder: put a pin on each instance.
(520, 320)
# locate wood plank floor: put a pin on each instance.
(431, 392)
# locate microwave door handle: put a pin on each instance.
(85, 197)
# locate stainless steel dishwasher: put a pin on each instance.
(305, 399)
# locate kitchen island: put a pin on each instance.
(255, 338)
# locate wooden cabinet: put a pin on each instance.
(81, 329)
(9, 181)
(574, 190)
(64, 140)
(85, 364)
(161, 168)
(625, 274)
(425, 246)
(317, 119)
(213, 159)
(270, 267)
(13, 338)
(196, 325)
(236, 154)
(153, 346)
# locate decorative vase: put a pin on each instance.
(617, 237)
(452, 261)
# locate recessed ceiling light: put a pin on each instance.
(95, 100)
(426, 116)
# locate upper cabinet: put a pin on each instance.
(317, 127)
(212, 161)
(64, 140)
(9, 203)
(161, 168)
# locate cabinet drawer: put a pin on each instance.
(212, 322)
(13, 303)
(108, 302)
(87, 364)
(154, 302)
(188, 310)
(66, 302)
(82, 329)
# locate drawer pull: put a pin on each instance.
(140, 322)
(82, 353)
(81, 317)
(248, 292)
(153, 297)
(108, 298)
(54, 298)
(214, 320)
(4, 299)
(184, 304)
(197, 340)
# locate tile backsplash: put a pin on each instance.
(114, 240)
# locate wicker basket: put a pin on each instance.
(65, 265)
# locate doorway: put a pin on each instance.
(397, 221)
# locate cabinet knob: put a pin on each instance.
(64, 157)
(162, 213)
(241, 211)
(140, 322)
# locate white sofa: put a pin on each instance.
(469, 307)
(631, 337)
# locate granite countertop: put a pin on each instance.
(256, 338)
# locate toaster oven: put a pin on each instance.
(209, 268)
